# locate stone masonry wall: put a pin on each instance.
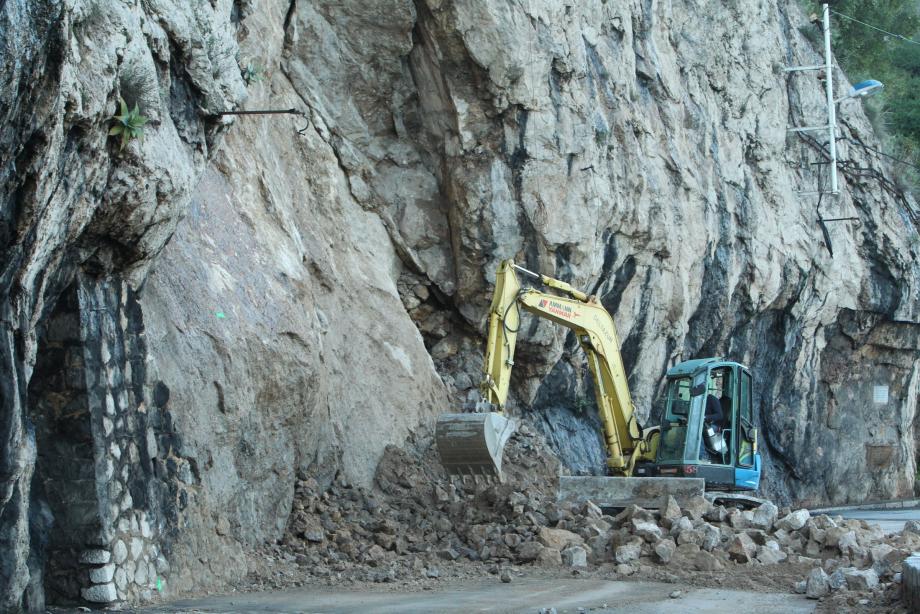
(106, 452)
(71, 195)
(128, 564)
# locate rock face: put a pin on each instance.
(71, 200)
(327, 289)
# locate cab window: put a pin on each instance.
(746, 423)
(674, 428)
(678, 399)
(720, 398)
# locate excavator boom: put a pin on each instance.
(471, 443)
(596, 333)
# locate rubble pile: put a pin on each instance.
(418, 517)
(417, 523)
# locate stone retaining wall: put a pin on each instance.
(107, 465)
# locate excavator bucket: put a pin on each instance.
(472, 444)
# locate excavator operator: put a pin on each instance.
(717, 418)
(714, 413)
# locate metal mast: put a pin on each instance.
(831, 126)
(831, 106)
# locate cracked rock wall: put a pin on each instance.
(326, 292)
(71, 200)
(638, 150)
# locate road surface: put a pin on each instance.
(490, 595)
(890, 520)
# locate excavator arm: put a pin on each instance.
(624, 439)
(504, 322)
(597, 335)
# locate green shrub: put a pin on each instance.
(138, 87)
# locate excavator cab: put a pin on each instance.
(707, 427)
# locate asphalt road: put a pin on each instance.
(889, 520)
(522, 595)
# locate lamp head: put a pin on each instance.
(866, 88)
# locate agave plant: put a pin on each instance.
(130, 124)
(253, 73)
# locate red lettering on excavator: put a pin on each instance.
(559, 309)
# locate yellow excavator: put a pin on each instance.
(707, 428)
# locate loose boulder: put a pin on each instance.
(664, 549)
(549, 557)
(764, 516)
(794, 520)
(817, 584)
(696, 507)
(529, 551)
(837, 580)
(575, 556)
(649, 531)
(860, 579)
(680, 525)
(705, 561)
(558, 538)
(770, 556)
(742, 549)
(670, 512)
(629, 551)
(712, 537)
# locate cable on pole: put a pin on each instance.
(881, 153)
(869, 25)
(824, 230)
(853, 171)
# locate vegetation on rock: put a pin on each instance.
(129, 124)
(252, 73)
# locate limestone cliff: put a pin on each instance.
(325, 292)
(76, 207)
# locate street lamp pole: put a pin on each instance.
(863, 88)
(831, 126)
(831, 107)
